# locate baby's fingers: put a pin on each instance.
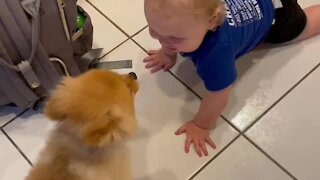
(181, 130)
(156, 68)
(151, 64)
(204, 148)
(211, 143)
(167, 66)
(149, 58)
(197, 148)
(187, 144)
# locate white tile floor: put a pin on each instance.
(274, 107)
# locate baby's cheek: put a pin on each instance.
(195, 45)
(153, 34)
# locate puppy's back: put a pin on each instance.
(51, 166)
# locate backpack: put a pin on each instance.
(41, 41)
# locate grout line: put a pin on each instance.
(269, 157)
(113, 49)
(189, 88)
(112, 22)
(18, 115)
(214, 157)
(282, 97)
(17, 147)
(139, 46)
(128, 38)
(118, 27)
(264, 113)
(230, 123)
(131, 37)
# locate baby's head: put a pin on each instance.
(180, 25)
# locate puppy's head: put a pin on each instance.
(97, 106)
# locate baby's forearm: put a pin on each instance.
(211, 107)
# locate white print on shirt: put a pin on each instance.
(242, 12)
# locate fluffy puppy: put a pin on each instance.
(95, 115)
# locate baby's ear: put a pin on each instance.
(216, 19)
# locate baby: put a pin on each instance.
(214, 34)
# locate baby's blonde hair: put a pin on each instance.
(207, 7)
(200, 8)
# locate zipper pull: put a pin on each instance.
(61, 6)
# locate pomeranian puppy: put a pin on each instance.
(95, 115)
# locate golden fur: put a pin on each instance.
(95, 115)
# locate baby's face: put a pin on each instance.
(178, 32)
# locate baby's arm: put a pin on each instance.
(198, 130)
(211, 107)
(160, 59)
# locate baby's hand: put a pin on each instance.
(157, 60)
(198, 136)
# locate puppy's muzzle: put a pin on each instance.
(133, 75)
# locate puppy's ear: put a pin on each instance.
(102, 131)
(107, 131)
(54, 109)
(56, 106)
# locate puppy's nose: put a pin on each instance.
(133, 75)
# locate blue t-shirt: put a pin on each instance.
(246, 26)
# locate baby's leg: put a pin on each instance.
(292, 23)
(313, 23)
